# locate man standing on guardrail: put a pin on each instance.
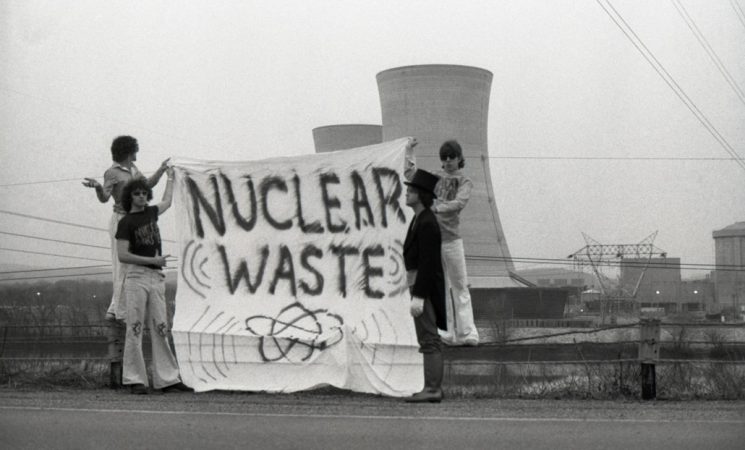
(139, 244)
(124, 151)
(453, 191)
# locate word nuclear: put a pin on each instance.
(272, 194)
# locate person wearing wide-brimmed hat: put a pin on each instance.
(426, 282)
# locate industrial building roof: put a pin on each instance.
(737, 229)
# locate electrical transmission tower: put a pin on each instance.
(600, 257)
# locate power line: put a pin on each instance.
(662, 72)
(55, 240)
(547, 158)
(28, 216)
(76, 275)
(551, 261)
(26, 183)
(51, 254)
(539, 158)
(712, 54)
(619, 263)
(738, 11)
(547, 261)
(49, 277)
(10, 272)
(55, 268)
(60, 180)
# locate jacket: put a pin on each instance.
(422, 253)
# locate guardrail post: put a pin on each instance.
(115, 332)
(649, 354)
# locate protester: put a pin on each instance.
(453, 191)
(124, 153)
(426, 282)
(139, 245)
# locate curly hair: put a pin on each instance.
(122, 147)
(136, 184)
(452, 148)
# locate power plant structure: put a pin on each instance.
(435, 103)
(729, 275)
(345, 136)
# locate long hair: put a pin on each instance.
(452, 148)
(122, 147)
(136, 184)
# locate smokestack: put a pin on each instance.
(343, 137)
(435, 103)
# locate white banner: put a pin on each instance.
(291, 273)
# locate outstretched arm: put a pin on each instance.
(165, 203)
(154, 178)
(410, 159)
(103, 197)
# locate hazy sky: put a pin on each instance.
(240, 80)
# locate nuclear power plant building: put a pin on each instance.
(345, 136)
(435, 103)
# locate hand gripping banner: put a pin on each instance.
(291, 273)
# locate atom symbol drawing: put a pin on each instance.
(296, 333)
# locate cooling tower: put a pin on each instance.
(435, 103)
(343, 137)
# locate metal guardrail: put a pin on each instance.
(20, 343)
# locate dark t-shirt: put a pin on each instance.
(141, 230)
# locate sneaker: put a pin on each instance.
(138, 389)
(178, 387)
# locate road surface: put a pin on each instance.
(101, 419)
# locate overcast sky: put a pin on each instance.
(241, 80)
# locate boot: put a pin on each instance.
(432, 391)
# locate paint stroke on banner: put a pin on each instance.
(291, 273)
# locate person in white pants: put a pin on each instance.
(453, 191)
(139, 244)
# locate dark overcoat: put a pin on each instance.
(422, 252)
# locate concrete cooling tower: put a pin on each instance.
(343, 137)
(435, 103)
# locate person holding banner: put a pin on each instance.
(124, 153)
(139, 244)
(426, 282)
(453, 191)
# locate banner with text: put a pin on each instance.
(291, 273)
